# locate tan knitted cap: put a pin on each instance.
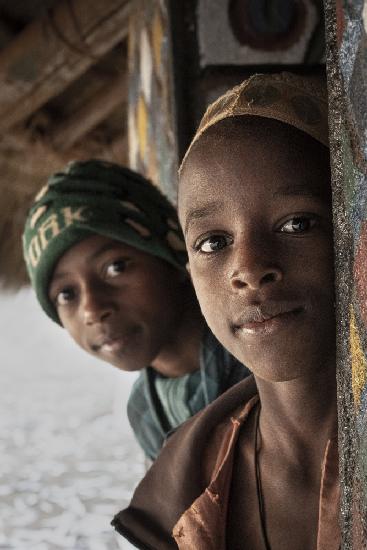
(300, 101)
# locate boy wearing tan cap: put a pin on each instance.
(258, 469)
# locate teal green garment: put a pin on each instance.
(175, 395)
(158, 404)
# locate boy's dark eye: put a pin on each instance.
(213, 243)
(115, 268)
(299, 224)
(64, 297)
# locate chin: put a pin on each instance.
(128, 368)
(277, 375)
(285, 365)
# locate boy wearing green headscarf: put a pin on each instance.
(106, 258)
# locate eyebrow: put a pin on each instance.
(105, 248)
(298, 191)
(202, 212)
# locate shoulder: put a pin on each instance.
(138, 394)
(143, 415)
(198, 428)
(180, 470)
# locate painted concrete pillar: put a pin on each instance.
(346, 23)
(153, 148)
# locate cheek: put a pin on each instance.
(212, 295)
(309, 263)
(71, 326)
(64, 319)
(320, 272)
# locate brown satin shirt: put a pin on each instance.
(203, 525)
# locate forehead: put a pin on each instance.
(252, 159)
(93, 245)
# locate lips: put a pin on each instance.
(112, 345)
(109, 343)
(266, 317)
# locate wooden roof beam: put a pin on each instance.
(69, 132)
(54, 51)
(115, 151)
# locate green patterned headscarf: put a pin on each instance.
(97, 197)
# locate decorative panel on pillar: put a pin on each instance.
(258, 32)
(152, 120)
(221, 42)
(183, 55)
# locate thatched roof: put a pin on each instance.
(63, 92)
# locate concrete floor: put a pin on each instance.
(69, 461)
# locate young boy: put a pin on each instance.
(107, 261)
(258, 469)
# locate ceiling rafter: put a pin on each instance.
(65, 134)
(53, 51)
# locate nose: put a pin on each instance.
(96, 305)
(254, 266)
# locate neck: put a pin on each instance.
(299, 416)
(181, 352)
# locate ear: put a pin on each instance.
(188, 269)
(184, 274)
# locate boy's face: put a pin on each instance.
(117, 303)
(257, 219)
